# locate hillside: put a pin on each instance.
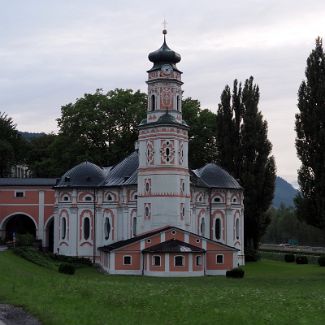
(30, 135)
(284, 193)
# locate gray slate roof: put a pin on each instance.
(27, 181)
(85, 174)
(216, 177)
(174, 246)
(124, 173)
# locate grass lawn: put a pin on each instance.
(272, 292)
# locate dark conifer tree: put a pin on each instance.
(244, 150)
(310, 140)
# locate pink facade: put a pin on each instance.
(29, 206)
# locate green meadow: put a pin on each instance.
(271, 292)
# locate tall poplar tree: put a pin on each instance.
(245, 151)
(310, 140)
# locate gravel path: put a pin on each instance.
(10, 315)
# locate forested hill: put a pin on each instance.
(30, 135)
(284, 193)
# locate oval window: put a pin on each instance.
(86, 228)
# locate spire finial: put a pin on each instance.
(165, 28)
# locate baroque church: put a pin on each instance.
(150, 214)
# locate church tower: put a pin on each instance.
(163, 174)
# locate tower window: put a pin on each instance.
(177, 103)
(153, 102)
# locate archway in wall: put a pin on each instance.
(19, 224)
(50, 235)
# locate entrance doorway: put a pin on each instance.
(19, 224)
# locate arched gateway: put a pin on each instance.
(26, 206)
(17, 224)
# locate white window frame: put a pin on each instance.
(153, 260)
(223, 258)
(183, 260)
(20, 197)
(124, 256)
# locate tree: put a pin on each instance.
(100, 127)
(202, 139)
(244, 150)
(40, 158)
(310, 140)
(12, 146)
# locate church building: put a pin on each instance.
(147, 215)
(150, 214)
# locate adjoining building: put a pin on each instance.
(150, 214)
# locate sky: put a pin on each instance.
(53, 52)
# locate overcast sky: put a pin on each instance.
(52, 52)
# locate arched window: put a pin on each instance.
(64, 227)
(237, 228)
(88, 198)
(217, 229)
(134, 226)
(107, 228)
(202, 227)
(147, 211)
(153, 102)
(86, 228)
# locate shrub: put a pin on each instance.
(235, 273)
(301, 259)
(76, 261)
(32, 255)
(251, 255)
(289, 258)
(25, 240)
(67, 268)
(321, 260)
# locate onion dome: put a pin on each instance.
(85, 174)
(215, 176)
(164, 55)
